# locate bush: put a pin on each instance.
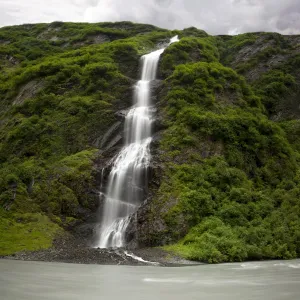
(211, 241)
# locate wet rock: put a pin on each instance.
(30, 186)
(122, 113)
(102, 141)
(100, 39)
(29, 90)
(12, 59)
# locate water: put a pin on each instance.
(272, 280)
(127, 182)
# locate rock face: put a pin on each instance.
(29, 90)
(261, 54)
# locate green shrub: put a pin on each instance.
(211, 241)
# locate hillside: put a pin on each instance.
(225, 180)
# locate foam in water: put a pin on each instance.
(140, 258)
(128, 177)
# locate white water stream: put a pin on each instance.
(128, 177)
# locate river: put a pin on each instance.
(244, 281)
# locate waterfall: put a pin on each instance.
(128, 177)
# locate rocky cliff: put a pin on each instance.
(225, 180)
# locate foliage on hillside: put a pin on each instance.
(271, 63)
(60, 87)
(231, 177)
(229, 149)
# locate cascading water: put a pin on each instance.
(128, 176)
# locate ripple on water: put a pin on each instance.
(288, 265)
(167, 280)
(204, 282)
(248, 266)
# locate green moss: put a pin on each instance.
(28, 232)
(192, 31)
(188, 49)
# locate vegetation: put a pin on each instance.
(230, 189)
(188, 50)
(229, 150)
(271, 63)
(26, 232)
(60, 87)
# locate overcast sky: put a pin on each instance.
(214, 16)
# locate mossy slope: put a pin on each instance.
(227, 186)
(230, 174)
(60, 87)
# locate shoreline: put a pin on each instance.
(155, 257)
(152, 257)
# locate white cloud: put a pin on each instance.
(214, 16)
(33, 11)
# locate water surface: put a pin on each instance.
(38, 280)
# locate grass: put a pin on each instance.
(28, 232)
